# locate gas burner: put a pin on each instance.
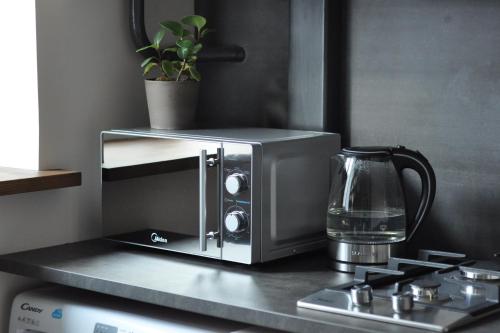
(468, 287)
(475, 273)
(472, 290)
(438, 291)
(427, 291)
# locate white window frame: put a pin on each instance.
(19, 122)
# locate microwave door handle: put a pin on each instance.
(203, 200)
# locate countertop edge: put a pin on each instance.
(273, 320)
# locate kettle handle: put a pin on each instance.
(408, 159)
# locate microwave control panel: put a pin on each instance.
(237, 200)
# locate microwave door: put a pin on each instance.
(162, 193)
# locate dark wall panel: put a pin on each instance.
(254, 92)
(426, 74)
(281, 81)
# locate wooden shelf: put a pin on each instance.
(13, 181)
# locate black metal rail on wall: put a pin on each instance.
(209, 54)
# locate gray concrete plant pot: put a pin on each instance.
(172, 104)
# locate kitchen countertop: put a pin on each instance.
(263, 295)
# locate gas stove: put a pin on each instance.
(439, 291)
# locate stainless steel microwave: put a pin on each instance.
(242, 195)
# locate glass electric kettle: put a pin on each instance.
(367, 216)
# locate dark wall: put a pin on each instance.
(421, 73)
(426, 74)
(253, 92)
(282, 75)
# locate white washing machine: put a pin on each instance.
(58, 309)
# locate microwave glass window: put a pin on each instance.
(151, 192)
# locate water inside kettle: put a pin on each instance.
(367, 226)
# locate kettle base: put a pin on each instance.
(346, 256)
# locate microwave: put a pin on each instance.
(245, 195)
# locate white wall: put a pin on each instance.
(89, 80)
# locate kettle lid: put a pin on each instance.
(370, 151)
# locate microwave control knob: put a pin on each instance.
(236, 221)
(235, 183)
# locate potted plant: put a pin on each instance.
(172, 93)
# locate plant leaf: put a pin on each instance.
(183, 52)
(149, 67)
(176, 65)
(195, 21)
(144, 48)
(194, 73)
(175, 27)
(185, 48)
(147, 61)
(185, 33)
(205, 31)
(158, 38)
(168, 67)
(186, 43)
(197, 48)
(170, 49)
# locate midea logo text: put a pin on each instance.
(155, 238)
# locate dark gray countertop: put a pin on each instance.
(262, 295)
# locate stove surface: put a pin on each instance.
(439, 291)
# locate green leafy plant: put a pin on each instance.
(182, 66)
